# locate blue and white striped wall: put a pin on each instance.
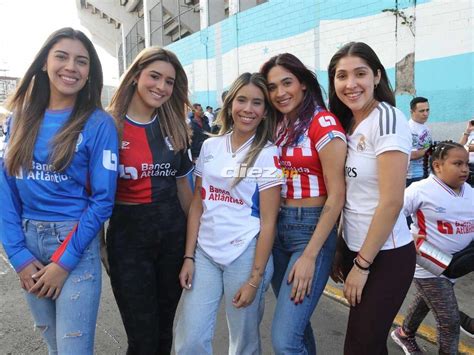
(441, 39)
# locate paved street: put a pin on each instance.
(18, 337)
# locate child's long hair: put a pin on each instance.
(30, 100)
(313, 95)
(172, 113)
(266, 128)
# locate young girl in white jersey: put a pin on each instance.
(231, 224)
(442, 207)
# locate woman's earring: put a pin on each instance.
(375, 86)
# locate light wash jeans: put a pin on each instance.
(68, 323)
(196, 323)
(291, 328)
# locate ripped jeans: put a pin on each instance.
(68, 323)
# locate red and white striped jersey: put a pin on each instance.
(300, 164)
(443, 216)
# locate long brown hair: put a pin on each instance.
(172, 113)
(265, 130)
(382, 92)
(30, 100)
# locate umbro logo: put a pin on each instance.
(125, 145)
(440, 210)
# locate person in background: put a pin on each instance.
(147, 230)
(200, 129)
(376, 236)
(57, 188)
(421, 138)
(210, 116)
(467, 140)
(231, 225)
(312, 147)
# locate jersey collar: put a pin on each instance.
(447, 188)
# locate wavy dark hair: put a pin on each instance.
(382, 92)
(30, 100)
(313, 95)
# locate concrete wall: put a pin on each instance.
(433, 53)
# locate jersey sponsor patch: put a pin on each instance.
(326, 121)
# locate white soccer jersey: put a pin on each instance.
(385, 129)
(470, 140)
(231, 214)
(445, 217)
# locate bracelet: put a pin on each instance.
(466, 133)
(359, 266)
(364, 259)
(251, 284)
(189, 257)
(363, 272)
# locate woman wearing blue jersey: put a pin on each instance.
(57, 188)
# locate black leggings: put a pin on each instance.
(462, 263)
(145, 245)
(369, 322)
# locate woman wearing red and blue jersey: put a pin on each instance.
(146, 234)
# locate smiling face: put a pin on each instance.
(453, 170)
(155, 85)
(286, 91)
(67, 67)
(354, 83)
(248, 109)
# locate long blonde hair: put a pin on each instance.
(172, 113)
(265, 130)
(30, 100)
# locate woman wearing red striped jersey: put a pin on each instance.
(312, 148)
(147, 230)
(376, 235)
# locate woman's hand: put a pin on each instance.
(354, 286)
(301, 275)
(49, 281)
(186, 274)
(26, 275)
(244, 296)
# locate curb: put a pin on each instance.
(424, 331)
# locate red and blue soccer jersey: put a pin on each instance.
(300, 164)
(148, 164)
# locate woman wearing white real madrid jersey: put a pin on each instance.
(231, 224)
(379, 254)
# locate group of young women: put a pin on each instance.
(269, 190)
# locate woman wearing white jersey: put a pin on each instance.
(376, 236)
(442, 207)
(231, 224)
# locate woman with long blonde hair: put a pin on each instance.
(146, 234)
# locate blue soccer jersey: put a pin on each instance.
(84, 191)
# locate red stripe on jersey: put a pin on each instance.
(421, 222)
(139, 152)
(62, 248)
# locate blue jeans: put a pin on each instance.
(291, 328)
(211, 281)
(68, 323)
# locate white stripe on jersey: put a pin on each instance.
(284, 189)
(313, 185)
(289, 151)
(297, 186)
(306, 152)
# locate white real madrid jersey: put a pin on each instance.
(385, 129)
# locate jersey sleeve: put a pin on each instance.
(11, 231)
(391, 131)
(270, 173)
(324, 128)
(103, 175)
(186, 165)
(412, 200)
(199, 162)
